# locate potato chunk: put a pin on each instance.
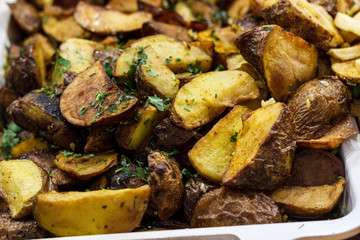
(93, 100)
(26, 15)
(20, 182)
(211, 155)
(284, 60)
(95, 212)
(264, 151)
(102, 21)
(309, 201)
(346, 70)
(207, 96)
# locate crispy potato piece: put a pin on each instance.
(167, 188)
(93, 100)
(184, 11)
(176, 32)
(308, 21)
(285, 67)
(314, 167)
(238, 8)
(102, 21)
(347, 53)
(264, 150)
(207, 96)
(229, 207)
(317, 106)
(95, 212)
(211, 155)
(256, 7)
(347, 23)
(100, 140)
(224, 39)
(29, 145)
(346, 71)
(47, 48)
(20, 182)
(155, 78)
(179, 54)
(234, 61)
(309, 201)
(333, 138)
(131, 135)
(86, 166)
(26, 15)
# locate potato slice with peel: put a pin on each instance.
(347, 53)
(346, 71)
(86, 166)
(309, 201)
(347, 23)
(211, 155)
(207, 96)
(93, 100)
(102, 21)
(20, 182)
(94, 212)
(264, 151)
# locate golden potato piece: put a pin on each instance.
(93, 100)
(102, 21)
(26, 15)
(176, 32)
(346, 71)
(284, 60)
(207, 96)
(29, 145)
(224, 39)
(211, 155)
(85, 166)
(264, 151)
(48, 49)
(20, 182)
(234, 61)
(347, 53)
(309, 201)
(94, 212)
(347, 23)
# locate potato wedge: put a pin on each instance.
(95, 212)
(347, 23)
(154, 78)
(308, 21)
(264, 150)
(238, 8)
(176, 32)
(347, 53)
(29, 145)
(26, 15)
(86, 166)
(224, 39)
(130, 135)
(346, 71)
(229, 207)
(102, 21)
(93, 100)
(47, 48)
(211, 155)
(100, 140)
(167, 188)
(284, 60)
(20, 182)
(333, 138)
(234, 61)
(207, 96)
(179, 55)
(309, 201)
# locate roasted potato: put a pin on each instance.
(95, 212)
(317, 106)
(26, 15)
(100, 140)
(207, 96)
(346, 70)
(211, 155)
(167, 188)
(20, 182)
(176, 32)
(228, 207)
(286, 66)
(47, 48)
(29, 145)
(309, 201)
(264, 150)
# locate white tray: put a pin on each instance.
(340, 228)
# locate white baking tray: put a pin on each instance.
(340, 228)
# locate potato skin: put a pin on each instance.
(317, 106)
(228, 207)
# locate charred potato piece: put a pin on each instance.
(26, 15)
(7, 96)
(211, 155)
(86, 166)
(177, 32)
(29, 145)
(194, 190)
(100, 140)
(20, 182)
(317, 106)
(284, 60)
(264, 151)
(249, 21)
(93, 100)
(40, 113)
(107, 57)
(167, 188)
(102, 21)
(346, 70)
(204, 98)
(228, 207)
(27, 72)
(309, 201)
(47, 49)
(84, 213)
(308, 21)
(314, 167)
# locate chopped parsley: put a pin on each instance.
(195, 69)
(268, 28)
(159, 103)
(62, 65)
(188, 174)
(83, 111)
(233, 138)
(9, 139)
(212, 34)
(219, 68)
